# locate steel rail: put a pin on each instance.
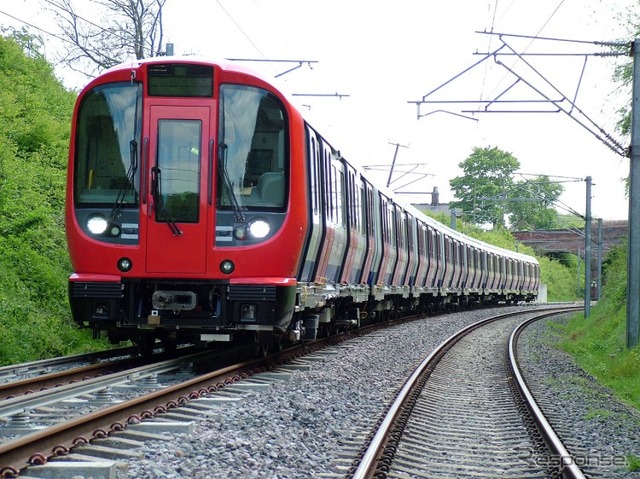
(11, 389)
(21, 368)
(368, 463)
(19, 404)
(57, 379)
(16, 454)
(569, 469)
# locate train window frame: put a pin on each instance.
(181, 167)
(252, 119)
(339, 194)
(313, 151)
(184, 80)
(122, 106)
(327, 190)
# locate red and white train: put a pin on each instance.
(201, 207)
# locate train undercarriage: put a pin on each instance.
(271, 316)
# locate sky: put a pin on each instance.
(372, 60)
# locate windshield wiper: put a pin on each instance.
(222, 171)
(157, 199)
(118, 205)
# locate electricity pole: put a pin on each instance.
(633, 253)
(587, 252)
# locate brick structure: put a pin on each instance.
(571, 240)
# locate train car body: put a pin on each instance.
(201, 206)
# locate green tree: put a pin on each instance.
(487, 192)
(480, 192)
(531, 204)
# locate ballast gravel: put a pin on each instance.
(301, 428)
(604, 429)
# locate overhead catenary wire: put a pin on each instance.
(40, 29)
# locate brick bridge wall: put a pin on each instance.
(572, 240)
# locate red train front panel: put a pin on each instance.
(186, 205)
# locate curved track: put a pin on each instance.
(460, 415)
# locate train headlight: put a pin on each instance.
(240, 232)
(97, 224)
(258, 228)
(125, 264)
(227, 266)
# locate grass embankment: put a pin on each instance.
(598, 344)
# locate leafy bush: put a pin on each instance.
(35, 110)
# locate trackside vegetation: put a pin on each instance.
(35, 111)
(598, 344)
(35, 320)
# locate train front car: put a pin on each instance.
(181, 217)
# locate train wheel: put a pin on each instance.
(170, 345)
(262, 345)
(146, 343)
(278, 344)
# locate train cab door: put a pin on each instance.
(179, 160)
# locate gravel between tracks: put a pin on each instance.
(294, 429)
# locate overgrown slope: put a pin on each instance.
(598, 344)
(35, 112)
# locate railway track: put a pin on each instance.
(61, 419)
(191, 395)
(34, 369)
(466, 411)
(72, 370)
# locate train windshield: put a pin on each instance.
(108, 145)
(252, 158)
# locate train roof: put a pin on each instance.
(224, 64)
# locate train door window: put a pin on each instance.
(328, 184)
(313, 173)
(253, 158)
(392, 227)
(351, 217)
(472, 265)
(510, 271)
(368, 205)
(491, 279)
(384, 210)
(456, 253)
(360, 202)
(179, 161)
(107, 146)
(339, 192)
(401, 228)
